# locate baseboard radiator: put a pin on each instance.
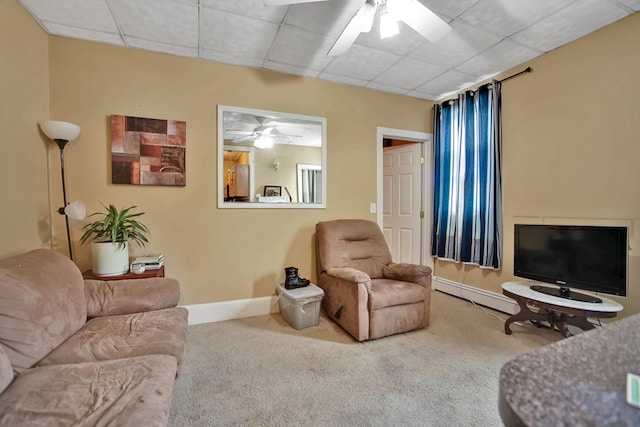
(250, 307)
(229, 310)
(489, 299)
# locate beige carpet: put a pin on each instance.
(260, 371)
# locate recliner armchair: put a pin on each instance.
(365, 292)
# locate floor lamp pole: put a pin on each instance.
(61, 144)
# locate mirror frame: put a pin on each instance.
(256, 205)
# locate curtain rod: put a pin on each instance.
(526, 70)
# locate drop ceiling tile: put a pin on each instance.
(400, 44)
(227, 32)
(508, 17)
(88, 14)
(250, 8)
(631, 4)
(289, 69)
(341, 79)
(451, 81)
(164, 21)
(300, 48)
(499, 57)
(570, 23)
(408, 74)
(325, 17)
(234, 58)
(154, 46)
(448, 8)
(460, 45)
(361, 62)
(385, 88)
(416, 94)
(82, 34)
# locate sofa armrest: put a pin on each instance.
(351, 275)
(413, 273)
(114, 297)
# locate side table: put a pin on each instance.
(128, 275)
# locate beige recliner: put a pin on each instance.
(365, 292)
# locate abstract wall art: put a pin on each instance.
(148, 151)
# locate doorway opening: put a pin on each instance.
(405, 193)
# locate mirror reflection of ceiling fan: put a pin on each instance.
(262, 136)
(411, 12)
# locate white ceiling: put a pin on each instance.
(488, 37)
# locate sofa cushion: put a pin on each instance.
(387, 293)
(108, 298)
(135, 392)
(41, 304)
(117, 337)
(6, 371)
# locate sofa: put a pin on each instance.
(86, 352)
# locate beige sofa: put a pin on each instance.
(85, 352)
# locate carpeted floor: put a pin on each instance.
(260, 371)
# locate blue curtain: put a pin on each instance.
(467, 224)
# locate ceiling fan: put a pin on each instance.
(262, 136)
(249, 135)
(411, 12)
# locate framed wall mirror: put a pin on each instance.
(269, 159)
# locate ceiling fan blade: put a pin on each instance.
(244, 139)
(287, 2)
(231, 132)
(362, 20)
(421, 19)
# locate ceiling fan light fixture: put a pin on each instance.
(388, 24)
(366, 16)
(263, 142)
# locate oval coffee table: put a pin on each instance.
(559, 312)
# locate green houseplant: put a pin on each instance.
(109, 238)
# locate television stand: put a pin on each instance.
(557, 311)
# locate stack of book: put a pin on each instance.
(150, 261)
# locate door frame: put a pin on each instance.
(427, 203)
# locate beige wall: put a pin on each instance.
(288, 157)
(24, 100)
(571, 146)
(217, 254)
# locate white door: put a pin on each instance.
(402, 211)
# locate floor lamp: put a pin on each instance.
(61, 133)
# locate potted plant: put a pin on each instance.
(109, 238)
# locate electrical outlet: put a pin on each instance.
(373, 208)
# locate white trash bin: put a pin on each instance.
(300, 307)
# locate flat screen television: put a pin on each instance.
(592, 258)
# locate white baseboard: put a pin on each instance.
(480, 296)
(229, 310)
(250, 307)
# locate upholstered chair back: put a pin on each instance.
(353, 243)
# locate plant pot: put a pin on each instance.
(109, 258)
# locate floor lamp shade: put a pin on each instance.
(57, 130)
(75, 210)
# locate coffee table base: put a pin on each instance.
(558, 316)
